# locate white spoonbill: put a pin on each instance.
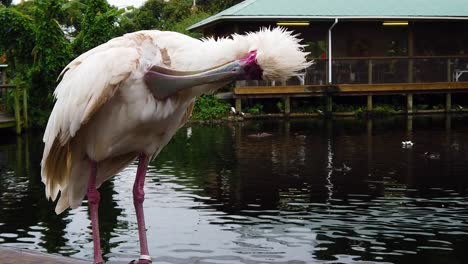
(125, 99)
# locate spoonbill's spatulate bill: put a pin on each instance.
(125, 99)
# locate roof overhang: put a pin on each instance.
(220, 19)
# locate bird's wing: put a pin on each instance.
(89, 82)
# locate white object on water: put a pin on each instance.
(407, 144)
(233, 110)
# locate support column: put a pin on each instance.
(328, 105)
(448, 102)
(409, 103)
(410, 53)
(4, 90)
(369, 72)
(369, 103)
(449, 70)
(287, 105)
(17, 110)
(238, 105)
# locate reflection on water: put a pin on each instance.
(314, 191)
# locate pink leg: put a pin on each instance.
(93, 204)
(138, 198)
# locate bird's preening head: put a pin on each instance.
(278, 52)
(252, 71)
(268, 54)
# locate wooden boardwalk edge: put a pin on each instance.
(10, 255)
(352, 89)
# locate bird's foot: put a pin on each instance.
(140, 261)
(144, 259)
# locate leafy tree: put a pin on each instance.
(5, 2)
(98, 25)
(51, 53)
(16, 36)
(193, 18)
(215, 6)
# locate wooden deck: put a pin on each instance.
(6, 120)
(329, 91)
(14, 256)
(350, 89)
(19, 119)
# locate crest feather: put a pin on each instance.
(279, 52)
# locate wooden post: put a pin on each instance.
(449, 70)
(409, 103)
(4, 90)
(25, 108)
(17, 111)
(328, 105)
(287, 105)
(410, 53)
(238, 105)
(369, 103)
(409, 125)
(448, 102)
(369, 72)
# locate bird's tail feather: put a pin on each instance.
(56, 167)
(73, 194)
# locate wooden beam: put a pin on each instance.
(369, 103)
(17, 111)
(353, 88)
(409, 103)
(369, 72)
(448, 102)
(328, 105)
(287, 105)
(25, 108)
(410, 53)
(238, 105)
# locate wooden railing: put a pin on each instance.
(387, 69)
(20, 119)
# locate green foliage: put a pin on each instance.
(97, 27)
(209, 107)
(255, 110)
(214, 6)
(280, 106)
(40, 37)
(5, 2)
(16, 36)
(51, 53)
(193, 18)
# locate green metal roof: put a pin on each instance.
(344, 9)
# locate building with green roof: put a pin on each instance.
(362, 29)
(415, 43)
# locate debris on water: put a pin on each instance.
(343, 168)
(260, 135)
(432, 155)
(455, 146)
(299, 136)
(407, 144)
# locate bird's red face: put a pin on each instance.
(252, 71)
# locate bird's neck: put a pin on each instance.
(216, 52)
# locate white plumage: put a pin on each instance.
(105, 112)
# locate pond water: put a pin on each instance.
(314, 191)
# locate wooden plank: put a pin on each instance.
(26, 256)
(353, 88)
(6, 121)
